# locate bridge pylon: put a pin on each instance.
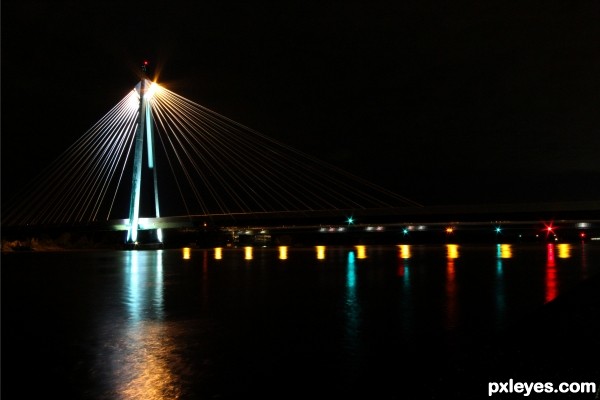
(144, 129)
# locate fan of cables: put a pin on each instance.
(207, 165)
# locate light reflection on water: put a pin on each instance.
(451, 291)
(504, 252)
(551, 283)
(352, 308)
(144, 358)
(144, 353)
(165, 324)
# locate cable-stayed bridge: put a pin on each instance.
(161, 157)
(157, 160)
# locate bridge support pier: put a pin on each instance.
(144, 128)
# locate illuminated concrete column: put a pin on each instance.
(144, 127)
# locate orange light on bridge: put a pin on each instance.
(320, 252)
(449, 230)
(218, 253)
(404, 251)
(248, 253)
(186, 253)
(283, 252)
(505, 250)
(564, 250)
(361, 252)
(452, 251)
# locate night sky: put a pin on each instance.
(443, 102)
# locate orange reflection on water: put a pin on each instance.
(248, 253)
(320, 252)
(451, 286)
(551, 284)
(361, 252)
(404, 251)
(186, 253)
(145, 368)
(564, 250)
(283, 252)
(146, 359)
(218, 253)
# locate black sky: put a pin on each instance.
(443, 102)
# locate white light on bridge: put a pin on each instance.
(144, 223)
(150, 91)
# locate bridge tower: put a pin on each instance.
(144, 128)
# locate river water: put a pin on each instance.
(369, 322)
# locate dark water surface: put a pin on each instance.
(377, 322)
